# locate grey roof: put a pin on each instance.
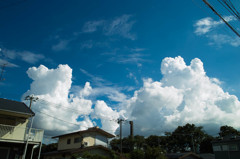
(228, 138)
(15, 106)
(92, 129)
(182, 155)
(207, 156)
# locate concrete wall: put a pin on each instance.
(16, 131)
(63, 145)
(101, 140)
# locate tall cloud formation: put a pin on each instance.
(185, 94)
(59, 111)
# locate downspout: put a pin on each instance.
(40, 148)
(34, 147)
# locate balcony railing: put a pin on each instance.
(8, 132)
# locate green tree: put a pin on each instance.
(206, 144)
(49, 147)
(228, 130)
(139, 141)
(137, 154)
(185, 137)
(87, 155)
(115, 144)
(153, 141)
(154, 153)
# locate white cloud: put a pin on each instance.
(61, 45)
(133, 58)
(220, 39)
(121, 26)
(92, 26)
(30, 57)
(210, 28)
(26, 56)
(185, 94)
(107, 115)
(132, 76)
(52, 87)
(205, 25)
(7, 64)
(104, 88)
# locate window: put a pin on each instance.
(217, 148)
(77, 139)
(68, 141)
(225, 147)
(233, 147)
(4, 152)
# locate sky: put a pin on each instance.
(160, 64)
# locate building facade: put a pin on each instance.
(227, 147)
(93, 140)
(16, 139)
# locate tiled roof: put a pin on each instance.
(15, 106)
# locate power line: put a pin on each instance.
(57, 118)
(60, 106)
(211, 7)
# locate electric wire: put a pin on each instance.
(214, 10)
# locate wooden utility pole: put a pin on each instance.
(32, 99)
(193, 144)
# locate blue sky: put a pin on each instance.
(114, 45)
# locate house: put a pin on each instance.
(16, 139)
(93, 140)
(227, 147)
(188, 155)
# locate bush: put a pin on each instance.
(137, 154)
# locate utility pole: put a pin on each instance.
(131, 134)
(120, 123)
(193, 144)
(32, 99)
(2, 71)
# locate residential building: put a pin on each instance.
(227, 147)
(189, 155)
(93, 140)
(16, 139)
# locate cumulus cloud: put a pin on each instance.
(57, 110)
(185, 94)
(107, 115)
(210, 28)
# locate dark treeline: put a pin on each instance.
(183, 139)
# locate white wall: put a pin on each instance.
(101, 140)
